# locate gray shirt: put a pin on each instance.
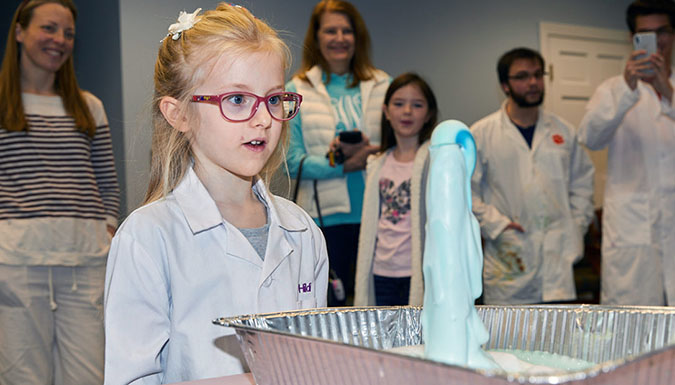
(258, 238)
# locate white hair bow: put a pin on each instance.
(185, 22)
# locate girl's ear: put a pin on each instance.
(384, 109)
(171, 109)
(428, 118)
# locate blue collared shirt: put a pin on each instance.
(175, 265)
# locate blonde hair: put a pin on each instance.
(12, 115)
(180, 69)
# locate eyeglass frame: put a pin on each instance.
(526, 76)
(217, 99)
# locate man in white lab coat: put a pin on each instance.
(532, 191)
(633, 115)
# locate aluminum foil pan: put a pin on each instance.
(630, 345)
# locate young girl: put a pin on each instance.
(211, 240)
(389, 262)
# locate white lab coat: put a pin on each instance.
(638, 227)
(175, 265)
(548, 190)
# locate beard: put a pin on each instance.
(522, 101)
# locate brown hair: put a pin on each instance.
(506, 61)
(387, 134)
(361, 65)
(649, 7)
(181, 68)
(12, 116)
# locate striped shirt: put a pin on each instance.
(57, 179)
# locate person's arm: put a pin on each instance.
(492, 222)
(605, 112)
(581, 179)
(315, 166)
(668, 108)
(137, 324)
(663, 85)
(103, 163)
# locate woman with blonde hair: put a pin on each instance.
(337, 129)
(59, 203)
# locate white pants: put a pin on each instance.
(51, 325)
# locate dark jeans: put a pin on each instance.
(391, 291)
(342, 242)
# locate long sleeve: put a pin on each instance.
(106, 176)
(605, 111)
(315, 166)
(103, 162)
(668, 107)
(492, 222)
(370, 215)
(581, 180)
(137, 323)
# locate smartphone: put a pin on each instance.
(351, 136)
(647, 42)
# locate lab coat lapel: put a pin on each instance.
(511, 131)
(238, 246)
(199, 209)
(282, 224)
(201, 214)
(278, 249)
(541, 132)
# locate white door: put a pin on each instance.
(578, 60)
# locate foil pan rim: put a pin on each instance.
(236, 322)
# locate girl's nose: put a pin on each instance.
(262, 117)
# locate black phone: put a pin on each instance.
(351, 137)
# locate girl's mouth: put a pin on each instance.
(255, 145)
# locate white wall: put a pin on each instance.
(454, 44)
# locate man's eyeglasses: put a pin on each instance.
(241, 106)
(525, 76)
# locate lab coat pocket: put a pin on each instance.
(553, 163)
(564, 241)
(562, 247)
(309, 303)
(508, 262)
(626, 221)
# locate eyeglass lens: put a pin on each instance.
(240, 106)
(522, 76)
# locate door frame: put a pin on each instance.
(550, 29)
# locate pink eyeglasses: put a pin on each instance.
(240, 106)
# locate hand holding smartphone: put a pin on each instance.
(338, 156)
(351, 137)
(645, 41)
